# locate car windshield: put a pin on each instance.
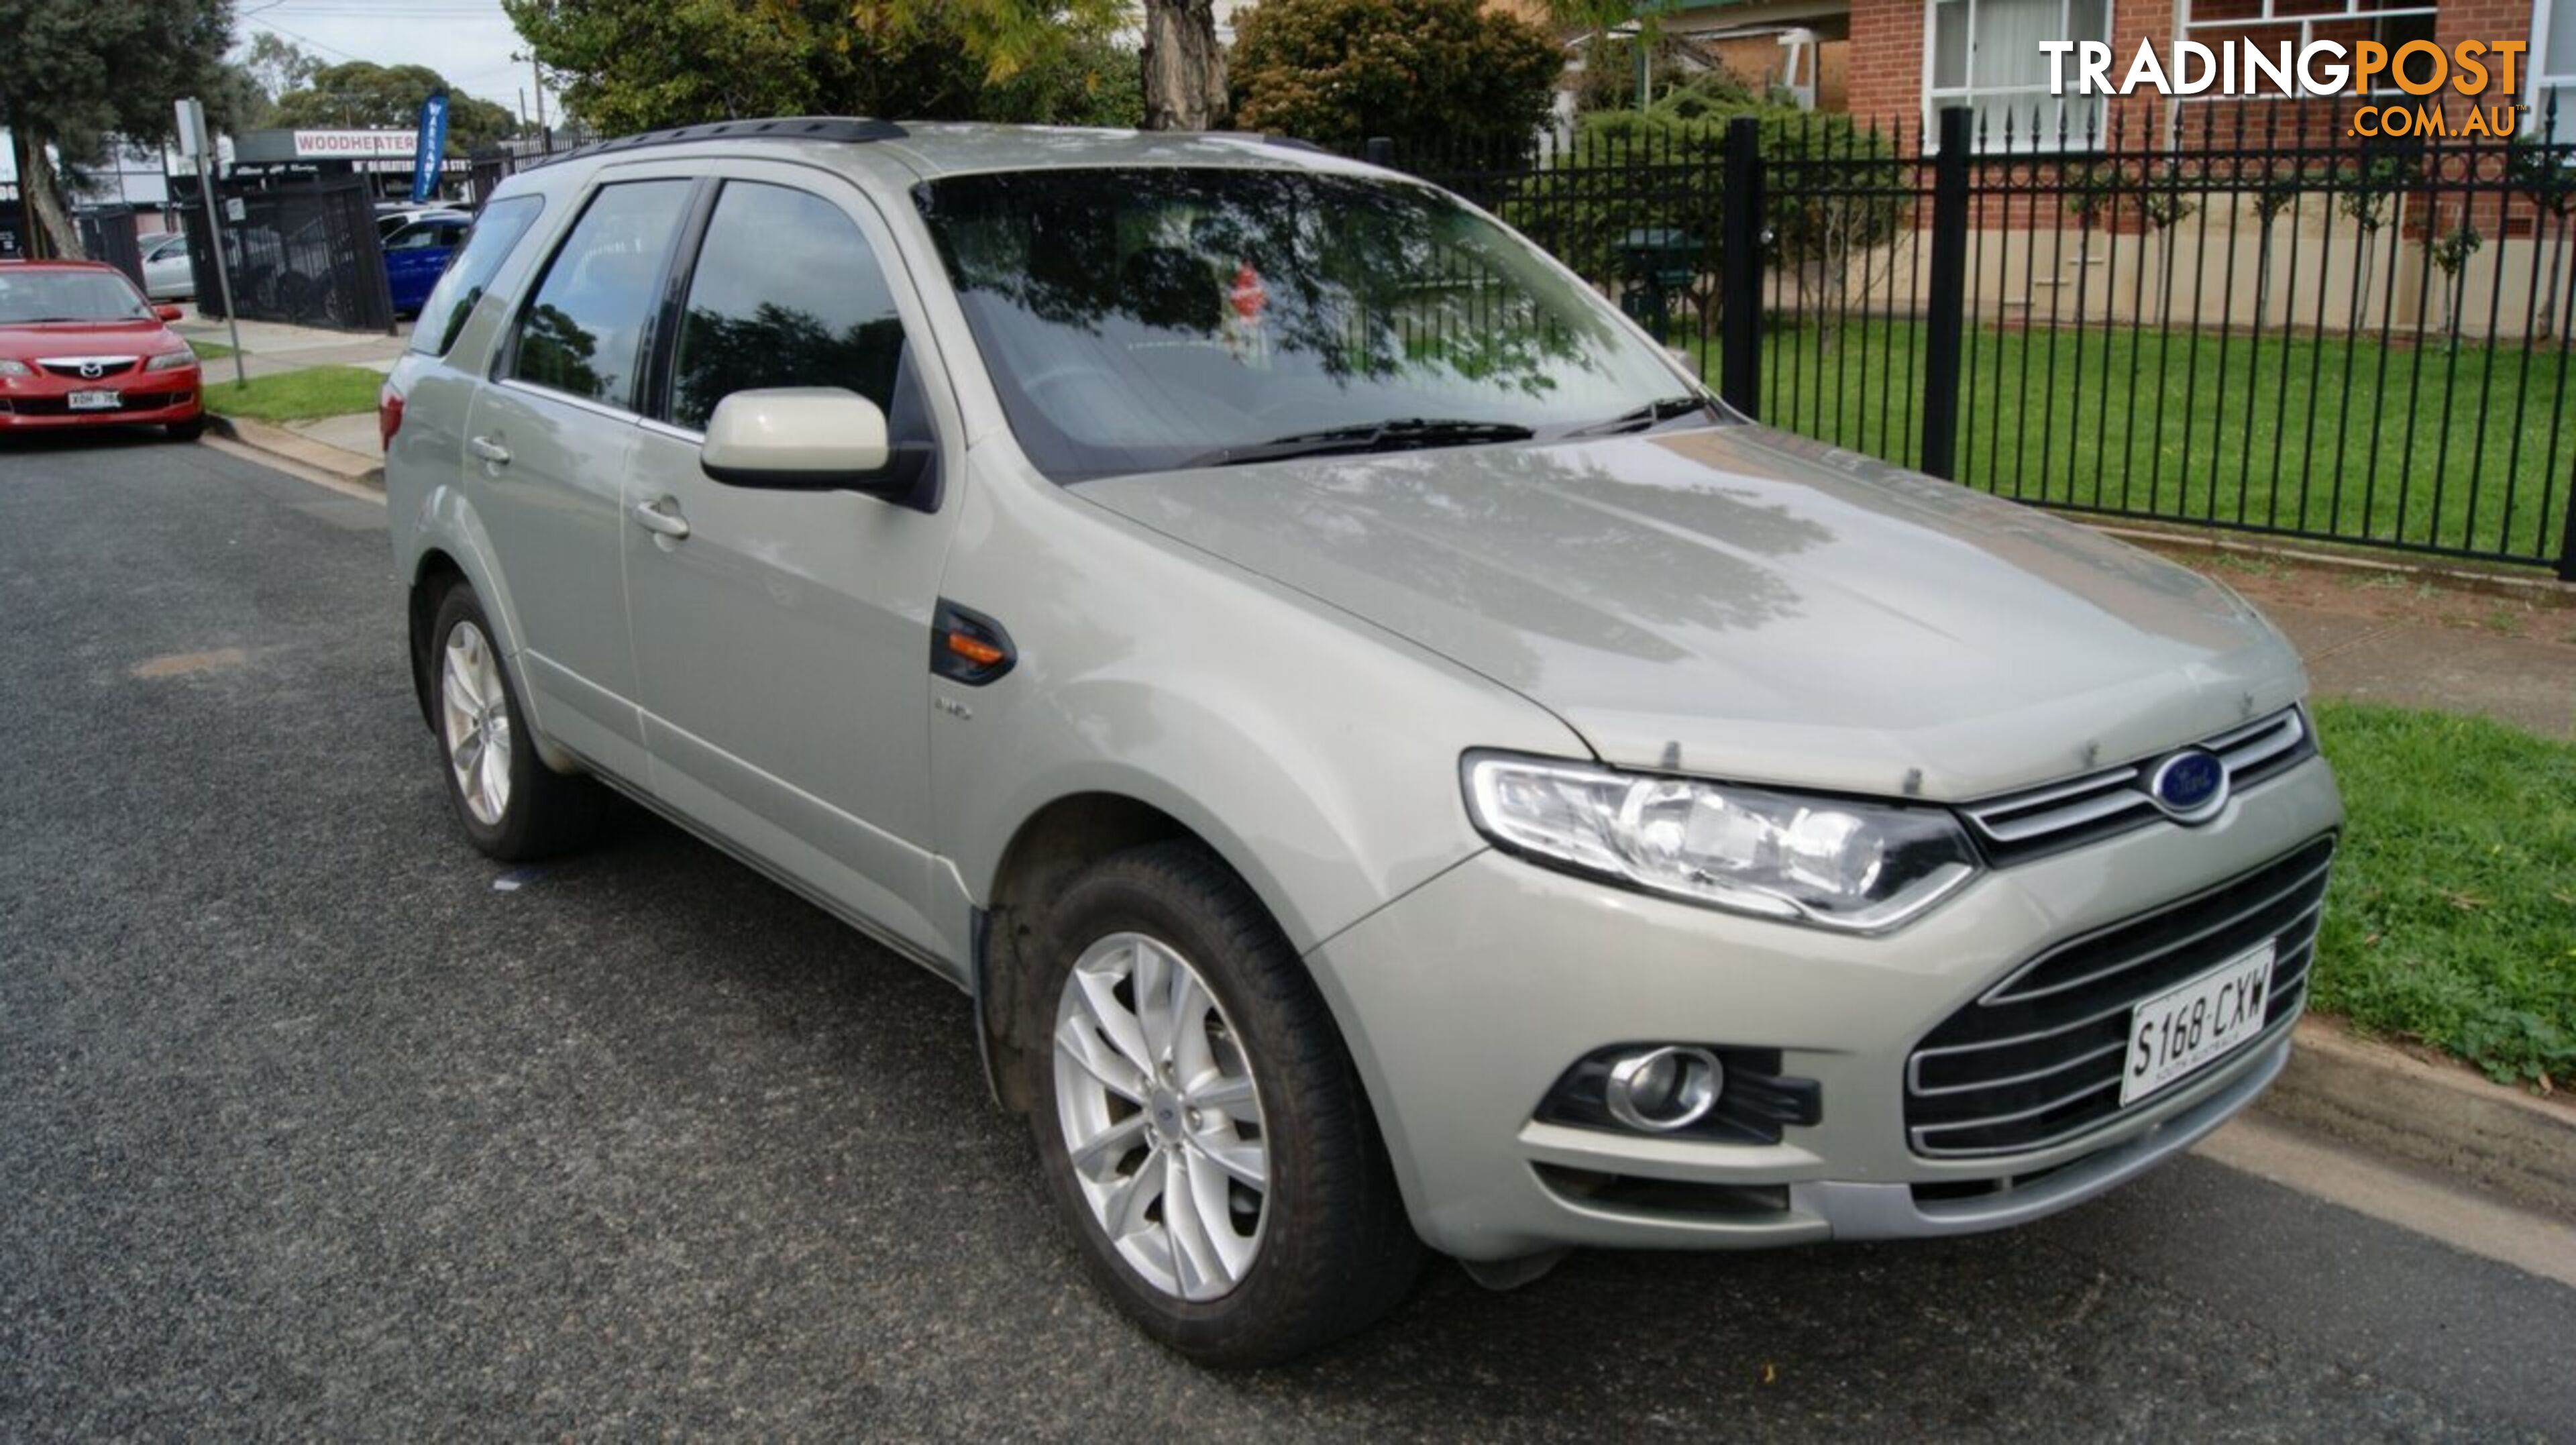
(1144, 319)
(28, 296)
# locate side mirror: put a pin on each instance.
(168, 313)
(819, 438)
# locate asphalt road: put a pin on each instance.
(311, 1125)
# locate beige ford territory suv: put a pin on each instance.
(1389, 760)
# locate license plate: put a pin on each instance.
(2183, 1028)
(96, 401)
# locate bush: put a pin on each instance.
(1421, 72)
(1834, 187)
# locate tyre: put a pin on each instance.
(1198, 1121)
(186, 431)
(512, 805)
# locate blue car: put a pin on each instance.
(417, 252)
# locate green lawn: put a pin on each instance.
(2452, 917)
(209, 350)
(298, 395)
(2468, 450)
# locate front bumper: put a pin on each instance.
(150, 398)
(1463, 1002)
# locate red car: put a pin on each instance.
(80, 346)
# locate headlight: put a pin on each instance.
(171, 361)
(14, 368)
(1859, 867)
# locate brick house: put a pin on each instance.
(1911, 56)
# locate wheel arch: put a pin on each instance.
(431, 578)
(1050, 846)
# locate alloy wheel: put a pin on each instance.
(1161, 1117)
(474, 722)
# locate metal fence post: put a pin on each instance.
(2567, 540)
(1739, 341)
(1379, 150)
(1946, 303)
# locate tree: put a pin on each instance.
(1631, 174)
(630, 65)
(1337, 72)
(362, 93)
(71, 76)
(278, 65)
(1185, 87)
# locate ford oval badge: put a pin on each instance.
(2191, 785)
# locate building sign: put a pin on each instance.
(278, 147)
(354, 145)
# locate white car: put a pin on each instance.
(167, 273)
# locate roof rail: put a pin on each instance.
(794, 127)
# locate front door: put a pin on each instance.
(784, 642)
(547, 454)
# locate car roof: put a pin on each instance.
(912, 150)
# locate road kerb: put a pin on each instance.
(2487, 1135)
(321, 456)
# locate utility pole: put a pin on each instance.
(545, 136)
(196, 142)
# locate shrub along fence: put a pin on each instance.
(2250, 319)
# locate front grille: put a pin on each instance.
(2036, 1059)
(2036, 821)
(107, 366)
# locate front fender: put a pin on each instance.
(1315, 752)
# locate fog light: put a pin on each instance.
(1660, 1090)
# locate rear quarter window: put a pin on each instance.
(496, 233)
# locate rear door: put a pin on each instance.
(548, 445)
(784, 642)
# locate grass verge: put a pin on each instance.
(2462, 447)
(298, 395)
(2452, 917)
(209, 350)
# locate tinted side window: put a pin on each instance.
(786, 293)
(584, 332)
(495, 233)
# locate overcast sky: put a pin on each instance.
(468, 41)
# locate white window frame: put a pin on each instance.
(2044, 142)
(2302, 30)
(2535, 82)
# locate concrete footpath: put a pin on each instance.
(345, 446)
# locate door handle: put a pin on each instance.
(490, 451)
(661, 517)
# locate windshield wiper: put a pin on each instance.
(1659, 410)
(1403, 434)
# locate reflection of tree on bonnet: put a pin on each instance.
(1659, 538)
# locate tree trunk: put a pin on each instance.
(42, 190)
(1184, 68)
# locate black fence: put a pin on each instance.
(107, 234)
(2249, 319)
(304, 254)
